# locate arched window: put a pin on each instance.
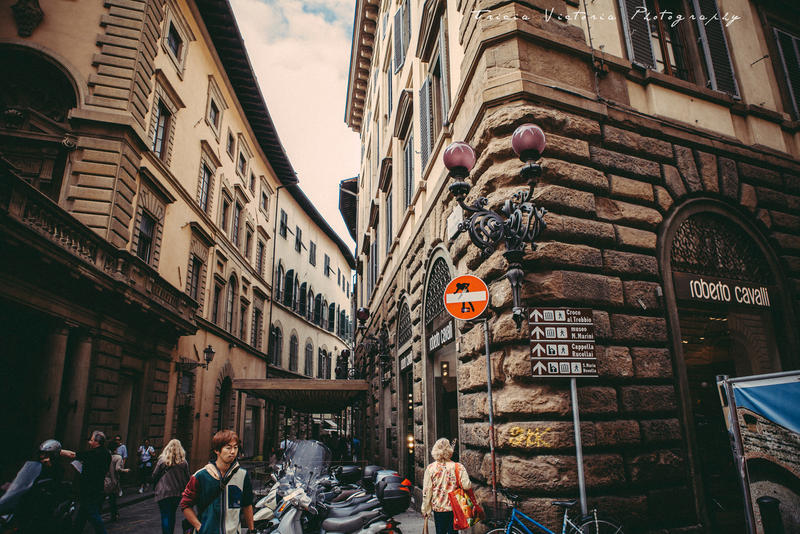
(331, 316)
(318, 310)
(295, 294)
(276, 346)
(309, 369)
(288, 288)
(230, 304)
(310, 314)
(279, 284)
(293, 353)
(342, 323)
(301, 305)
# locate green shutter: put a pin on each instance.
(637, 33)
(715, 47)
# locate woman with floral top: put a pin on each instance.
(441, 477)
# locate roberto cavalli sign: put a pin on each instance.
(720, 290)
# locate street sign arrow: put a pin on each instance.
(538, 331)
(538, 348)
(539, 368)
(537, 314)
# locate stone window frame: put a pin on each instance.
(164, 94)
(243, 151)
(268, 191)
(148, 202)
(209, 160)
(174, 17)
(198, 249)
(215, 95)
(433, 50)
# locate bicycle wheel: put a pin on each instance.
(502, 530)
(592, 525)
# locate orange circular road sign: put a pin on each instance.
(466, 297)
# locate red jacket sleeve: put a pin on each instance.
(189, 495)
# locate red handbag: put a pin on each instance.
(466, 510)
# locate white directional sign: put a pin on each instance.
(562, 342)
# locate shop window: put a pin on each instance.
(698, 54)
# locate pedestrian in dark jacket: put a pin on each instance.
(170, 478)
(221, 491)
(95, 463)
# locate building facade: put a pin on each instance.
(143, 185)
(671, 182)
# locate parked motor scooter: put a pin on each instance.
(39, 499)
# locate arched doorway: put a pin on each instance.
(440, 382)
(727, 316)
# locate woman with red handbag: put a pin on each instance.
(442, 477)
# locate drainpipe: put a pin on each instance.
(272, 278)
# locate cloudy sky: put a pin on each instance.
(300, 51)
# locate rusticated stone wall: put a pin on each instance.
(608, 188)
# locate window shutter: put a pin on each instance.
(790, 58)
(406, 25)
(398, 39)
(425, 121)
(445, 67)
(715, 47)
(637, 33)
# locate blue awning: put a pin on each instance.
(776, 399)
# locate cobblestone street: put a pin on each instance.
(143, 518)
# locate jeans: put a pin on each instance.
(168, 507)
(89, 509)
(443, 522)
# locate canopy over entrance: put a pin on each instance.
(304, 395)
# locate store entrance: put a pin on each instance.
(722, 342)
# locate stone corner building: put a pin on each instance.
(672, 182)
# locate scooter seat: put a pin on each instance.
(350, 501)
(349, 524)
(353, 510)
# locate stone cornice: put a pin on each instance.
(364, 28)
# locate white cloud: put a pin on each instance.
(301, 54)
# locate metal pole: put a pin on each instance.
(576, 422)
(491, 406)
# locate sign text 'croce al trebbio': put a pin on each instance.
(562, 342)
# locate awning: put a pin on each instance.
(304, 395)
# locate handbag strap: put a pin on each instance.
(458, 476)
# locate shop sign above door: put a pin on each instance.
(562, 342)
(700, 288)
(466, 297)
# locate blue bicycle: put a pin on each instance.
(516, 522)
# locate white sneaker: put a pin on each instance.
(120, 493)
(141, 490)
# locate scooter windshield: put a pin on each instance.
(21, 484)
(305, 462)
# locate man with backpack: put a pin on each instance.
(221, 491)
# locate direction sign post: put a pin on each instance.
(466, 297)
(562, 345)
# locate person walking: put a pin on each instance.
(441, 477)
(111, 484)
(217, 513)
(146, 453)
(122, 450)
(95, 463)
(170, 477)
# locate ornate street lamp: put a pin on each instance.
(518, 223)
(186, 365)
(375, 345)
